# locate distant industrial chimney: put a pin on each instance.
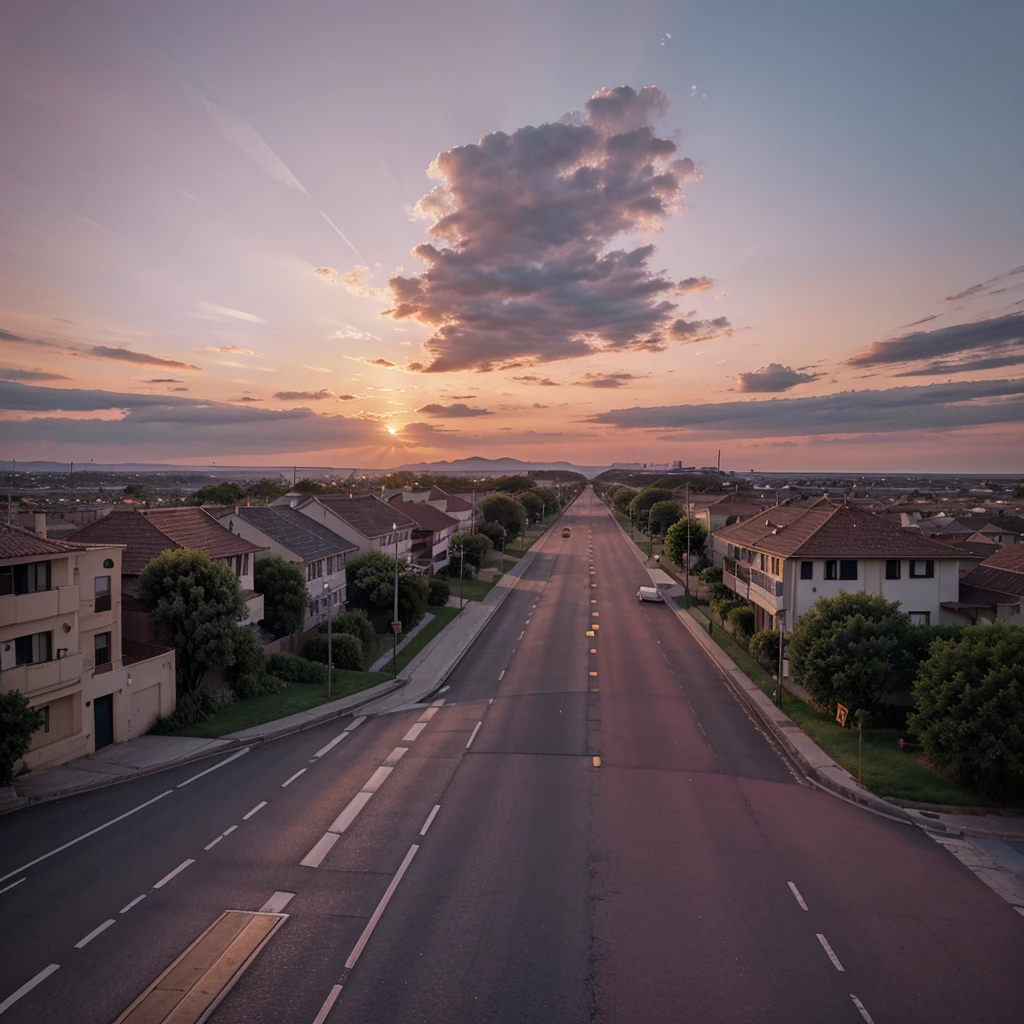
(39, 523)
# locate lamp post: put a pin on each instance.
(779, 625)
(504, 534)
(330, 647)
(396, 626)
(650, 536)
(687, 540)
(462, 571)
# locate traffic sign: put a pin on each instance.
(841, 712)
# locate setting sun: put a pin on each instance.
(392, 430)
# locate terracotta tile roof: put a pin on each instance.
(828, 530)
(16, 542)
(455, 503)
(425, 516)
(367, 514)
(998, 585)
(191, 527)
(298, 533)
(1010, 558)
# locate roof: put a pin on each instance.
(1010, 558)
(829, 530)
(367, 514)
(455, 503)
(147, 533)
(16, 542)
(1002, 582)
(298, 533)
(427, 517)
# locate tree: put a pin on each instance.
(676, 539)
(505, 511)
(475, 547)
(195, 605)
(371, 586)
(267, 489)
(853, 649)
(285, 598)
(346, 651)
(533, 503)
(513, 484)
(969, 713)
(308, 486)
(438, 592)
(646, 499)
(548, 497)
(18, 724)
(226, 493)
(764, 649)
(664, 514)
(623, 499)
(742, 619)
(248, 676)
(494, 532)
(356, 623)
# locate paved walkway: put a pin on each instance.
(385, 659)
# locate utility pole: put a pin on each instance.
(779, 625)
(688, 538)
(395, 624)
(650, 536)
(330, 647)
(462, 572)
(10, 494)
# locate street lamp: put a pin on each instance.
(650, 536)
(330, 648)
(504, 534)
(396, 626)
(462, 571)
(779, 625)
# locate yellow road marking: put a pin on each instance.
(593, 673)
(596, 761)
(590, 632)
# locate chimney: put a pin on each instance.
(39, 523)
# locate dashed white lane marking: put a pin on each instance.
(328, 747)
(831, 955)
(430, 819)
(229, 830)
(220, 764)
(414, 732)
(376, 780)
(395, 756)
(350, 813)
(328, 1003)
(796, 893)
(86, 835)
(134, 903)
(82, 943)
(427, 715)
(258, 807)
(476, 729)
(277, 903)
(28, 986)
(502, 676)
(177, 871)
(12, 885)
(491, 701)
(210, 846)
(322, 848)
(288, 782)
(521, 635)
(861, 1009)
(379, 912)
(437, 703)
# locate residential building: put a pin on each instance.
(61, 646)
(715, 511)
(146, 533)
(991, 592)
(453, 505)
(431, 536)
(365, 521)
(289, 534)
(785, 559)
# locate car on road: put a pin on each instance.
(566, 531)
(649, 594)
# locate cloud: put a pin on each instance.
(22, 340)
(126, 355)
(773, 377)
(930, 407)
(233, 350)
(246, 398)
(541, 382)
(10, 373)
(317, 369)
(457, 410)
(224, 312)
(923, 320)
(308, 396)
(978, 289)
(689, 332)
(539, 405)
(354, 281)
(463, 397)
(348, 331)
(381, 362)
(696, 284)
(177, 389)
(619, 379)
(242, 134)
(521, 267)
(163, 380)
(997, 341)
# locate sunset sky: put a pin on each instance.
(342, 234)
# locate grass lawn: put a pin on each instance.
(473, 590)
(887, 770)
(442, 616)
(518, 547)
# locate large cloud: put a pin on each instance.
(931, 407)
(12, 373)
(126, 355)
(618, 379)
(521, 269)
(457, 410)
(773, 377)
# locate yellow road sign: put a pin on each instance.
(841, 712)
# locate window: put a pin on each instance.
(102, 645)
(922, 569)
(776, 566)
(33, 648)
(45, 727)
(102, 593)
(807, 570)
(848, 568)
(831, 569)
(25, 579)
(892, 568)
(920, 618)
(764, 563)
(330, 565)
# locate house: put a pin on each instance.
(296, 538)
(61, 646)
(146, 533)
(715, 511)
(365, 521)
(785, 559)
(453, 505)
(991, 592)
(431, 536)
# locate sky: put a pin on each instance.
(366, 235)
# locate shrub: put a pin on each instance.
(250, 668)
(742, 619)
(764, 649)
(293, 669)
(346, 651)
(438, 592)
(198, 706)
(970, 708)
(285, 598)
(371, 581)
(18, 723)
(356, 623)
(710, 575)
(493, 532)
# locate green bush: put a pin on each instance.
(198, 706)
(249, 671)
(742, 619)
(710, 575)
(356, 623)
(18, 724)
(371, 582)
(346, 651)
(493, 532)
(764, 649)
(293, 669)
(969, 714)
(438, 592)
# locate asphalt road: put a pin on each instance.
(495, 873)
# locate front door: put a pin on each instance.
(103, 718)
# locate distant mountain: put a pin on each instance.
(479, 466)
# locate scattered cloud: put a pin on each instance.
(127, 355)
(355, 281)
(163, 380)
(618, 379)
(689, 332)
(317, 369)
(246, 398)
(696, 284)
(348, 332)
(984, 286)
(232, 350)
(542, 382)
(457, 410)
(11, 373)
(773, 377)
(212, 310)
(539, 405)
(381, 362)
(464, 398)
(923, 320)
(520, 269)
(322, 395)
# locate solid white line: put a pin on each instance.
(427, 715)
(330, 746)
(277, 903)
(476, 729)
(414, 732)
(328, 1003)
(347, 816)
(258, 807)
(796, 893)
(12, 885)
(828, 949)
(437, 703)
(99, 828)
(395, 756)
(92, 935)
(375, 781)
(220, 764)
(502, 676)
(430, 819)
(356, 722)
(521, 635)
(288, 782)
(379, 912)
(860, 1006)
(177, 871)
(319, 851)
(134, 902)
(27, 987)
(228, 831)
(213, 844)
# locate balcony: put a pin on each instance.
(736, 577)
(43, 675)
(44, 604)
(765, 590)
